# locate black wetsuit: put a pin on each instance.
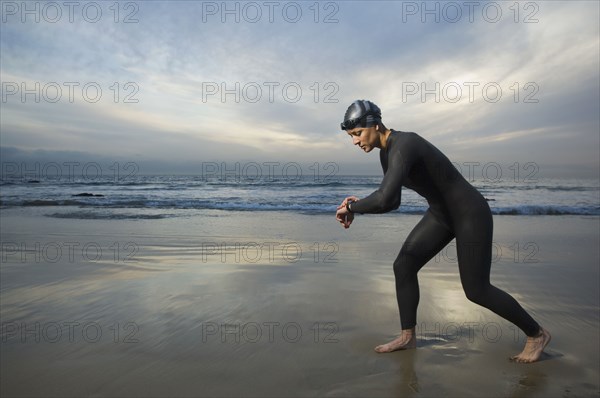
(456, 210)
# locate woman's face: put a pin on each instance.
(366, 138)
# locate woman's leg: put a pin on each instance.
(426, 239)
(474, 248)
(474, 251)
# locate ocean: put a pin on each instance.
(162, 196)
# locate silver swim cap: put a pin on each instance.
(361, 113)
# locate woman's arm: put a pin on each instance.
(387, 197)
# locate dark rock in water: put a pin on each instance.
(490, 200)
(33, 181)
(87, 194)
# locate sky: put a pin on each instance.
(174, 85)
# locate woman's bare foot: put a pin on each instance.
(406, 340)
(533, 347)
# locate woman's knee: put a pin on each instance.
(405, 267)
(477, 292)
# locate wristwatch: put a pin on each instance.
(348, 203)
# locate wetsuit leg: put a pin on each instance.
(474, 250)
(426, 239)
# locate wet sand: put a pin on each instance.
(279, 304)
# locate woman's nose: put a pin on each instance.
(355, 140)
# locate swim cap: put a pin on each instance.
(361, 113)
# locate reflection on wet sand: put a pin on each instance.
(189, 320)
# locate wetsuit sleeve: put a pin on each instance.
(387, 197)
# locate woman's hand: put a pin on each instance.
(343, 215)
(352, 198)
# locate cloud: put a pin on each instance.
(375, 50)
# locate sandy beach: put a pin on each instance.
(281, 304)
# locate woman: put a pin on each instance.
(456, 210)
